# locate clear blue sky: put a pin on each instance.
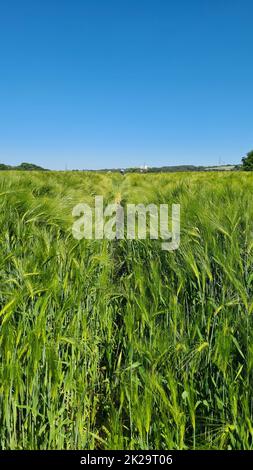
(105, 83)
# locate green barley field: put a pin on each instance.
(118, 344)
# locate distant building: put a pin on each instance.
(144, 168)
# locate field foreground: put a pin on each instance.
(118, 344)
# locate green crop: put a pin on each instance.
(118, 344)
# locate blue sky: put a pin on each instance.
(105, 83)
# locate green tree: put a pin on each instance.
(247, 162)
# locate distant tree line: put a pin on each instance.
(247, 165)
(170, 169)
(23, 167)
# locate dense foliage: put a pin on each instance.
(247, 162)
